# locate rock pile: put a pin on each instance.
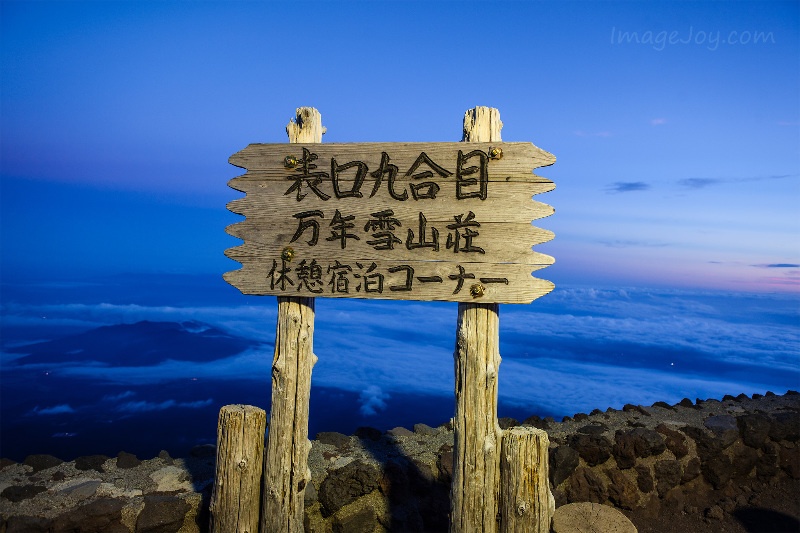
(98, 493)
(705, 458)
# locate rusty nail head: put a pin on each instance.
(495, 153)
(287, 254)
(477, 290)
(290, 161)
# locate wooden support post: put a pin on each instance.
(240, 456)
(286, 471)
(526, 503)
(477, 496)
(476, 475)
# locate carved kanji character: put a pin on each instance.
(385, 223)
(282, 278)
(312, 179)
(387, 168)
(309, 276)
(481, 170)
(427, 189)
(306, 222)
(340, 225)
(421, 239)
(340, 282)
(373, 281)
(355, 190)
(461, 228)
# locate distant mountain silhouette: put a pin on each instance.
(141, 344)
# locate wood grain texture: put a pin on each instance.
(476, 457)
(526, 503)
(286, 471)
(236, 497)
(474, 491)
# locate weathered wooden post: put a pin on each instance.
(526, 503)
(475, 490)
(286, 470)
(240, 455)
(476, 457)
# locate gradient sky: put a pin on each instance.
(676, 133)
(676, 127)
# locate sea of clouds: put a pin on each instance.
(573, 350)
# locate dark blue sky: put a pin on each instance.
(675, 125)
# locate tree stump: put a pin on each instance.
(526, 503)
(236, 498)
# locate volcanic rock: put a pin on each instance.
(17, 493)
(41, 462)
(594, 449)
(724, 428)
(162, 513)
(644, 479)
(754, 429)
(622, 492)
(345, 484)
(785, 426)
(335, 439)
(674, 440)
(563, 462)
(586, 486)
(127, 460)
(91, 462)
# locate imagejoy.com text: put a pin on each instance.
(659, 40)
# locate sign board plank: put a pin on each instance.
(439, 213)
(510, 203)
(270, 237)
(410, 280)
(516, 163)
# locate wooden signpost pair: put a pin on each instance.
(421, 221)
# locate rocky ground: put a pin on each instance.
(729, 465)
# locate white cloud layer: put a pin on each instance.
(372, 400)
(55, 410)
(144, 406)
(559, 355)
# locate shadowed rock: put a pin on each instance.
(724, 429)
(593, 449)
(41, 462)
(344, 485)
(621, 491)
(754, 429)
(586, 486)
(563, 462)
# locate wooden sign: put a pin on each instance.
(403, 221)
